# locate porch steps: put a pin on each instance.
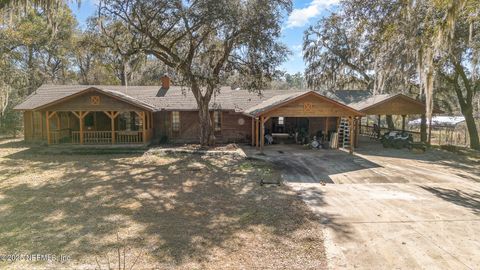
(344, 133)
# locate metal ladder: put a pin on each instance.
(344, 133)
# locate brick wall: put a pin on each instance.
(236, 127)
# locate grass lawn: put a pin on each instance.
(153, 211)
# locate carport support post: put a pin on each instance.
(326, 129)
(256, 133)
(357, 122)
(262, 133)
(253, 131)
(379, 130)
(48, 126)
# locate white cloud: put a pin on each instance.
(300, 16)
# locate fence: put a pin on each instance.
(439, 136)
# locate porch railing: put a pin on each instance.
(128, 137)
(368, 131)
(105, 137)
(59, 135)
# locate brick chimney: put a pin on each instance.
(165, 82)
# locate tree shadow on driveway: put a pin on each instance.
(299, 165)
(469, 200)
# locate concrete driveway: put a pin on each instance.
(389, 209)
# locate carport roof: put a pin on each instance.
(394, 104)
(280, 100)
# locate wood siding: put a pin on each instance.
(28, 125)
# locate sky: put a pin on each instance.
(304, 14)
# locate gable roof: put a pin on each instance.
(370, 101)
(179, 98)
(350, 96)
(51, 94)
(377, 100)
(280, 100)
(272, 102)
(175, 98)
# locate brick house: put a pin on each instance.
(99, 114)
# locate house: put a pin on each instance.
(99, 114)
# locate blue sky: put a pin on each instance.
(305, 13)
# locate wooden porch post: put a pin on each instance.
(81, 115)
(48, 127)
(112, 115)
(358, 121)
(403, 122)
(256, 133)
(151, 120)
(112, 123)
(147, 121)
(379, 129)
(326, 129)
(253, 131)
(82, 122)
(144, 127)
(262, 133)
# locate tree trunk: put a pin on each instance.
(466, 103)
(471, 126)
(31, 72)
(206, 134)
(123, 75)
(423, 128)
(390, 123)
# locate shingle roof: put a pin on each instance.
(272, 102)
(363, 104)
(47, 94)
(349, 96)
(175, 98)
(180, 98)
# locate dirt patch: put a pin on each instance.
(162, 211)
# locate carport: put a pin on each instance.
(327, 112)
(388, 105)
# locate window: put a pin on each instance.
(217, 120)
(281, 121)
(176, 121)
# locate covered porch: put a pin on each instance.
(99, 127)
(93, 116)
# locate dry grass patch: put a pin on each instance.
(173, 211)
